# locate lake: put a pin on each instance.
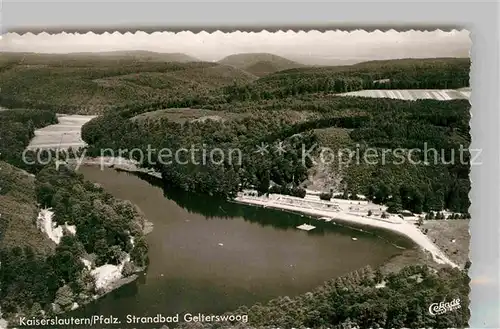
(212, 256)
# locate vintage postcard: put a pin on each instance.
(235, 180)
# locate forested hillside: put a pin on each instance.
(37, 273)
(259, 64)
(365, 299)
(17, 128)
(143, 81)
(443, 73)
(320, 81)
(86, 58)
(19, 211)
(372, 123)
(87, 84)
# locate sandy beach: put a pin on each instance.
(351, 212)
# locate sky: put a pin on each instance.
(308, 46)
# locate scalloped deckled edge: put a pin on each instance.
(239, 30)
(212, 36)
(472, 55)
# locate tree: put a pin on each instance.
(70, 244)
(264, 182)
(393, 207)
(139, 255)
(45, 193)
(325, 196)
(101, 250)
(128, 269)
(36, 310)
(64, 297)
(382, 193)
(378, 275)
(114, 255)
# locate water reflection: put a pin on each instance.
(217, 208)
(211, 256)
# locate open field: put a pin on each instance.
(413, 94)
(182, 115)
(65, 134)
(451, 236)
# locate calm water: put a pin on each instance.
(262, 255)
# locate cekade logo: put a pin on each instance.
(441, 308)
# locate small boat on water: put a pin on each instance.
(354, 239)
(306, 227)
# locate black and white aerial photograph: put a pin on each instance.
(289, 179)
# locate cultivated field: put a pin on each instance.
(65, 134)
(182, 115)
(413, 94)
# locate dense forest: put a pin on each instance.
(17, 128)
(393, 74)
(31, 281)
(94, 84)
(245, 167)
(147, 82)
(376, 124)
(365, 299)
(36, 272)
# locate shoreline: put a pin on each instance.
(337, 211)
(116, 163)
(397, 225)
(116, 285)
(343, 223)
(113, 285)
(124, 280)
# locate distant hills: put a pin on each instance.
(134, 55)
(144, 55)
(90, 83)
(260, 64)
(313, 60)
